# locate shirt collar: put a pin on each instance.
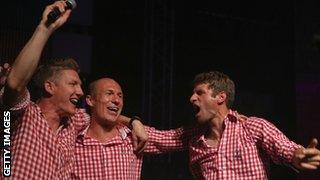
(230, 117)
(123, 133)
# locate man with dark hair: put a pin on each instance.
(43, 140)
(50, 70)
(234, 149)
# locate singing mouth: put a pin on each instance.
(74, 101)
(196, 108)
(113, 109)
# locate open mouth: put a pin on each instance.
(74, 101)
(113, 109)
(196, 109)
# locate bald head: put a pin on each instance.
(97, 84)
(105, 101)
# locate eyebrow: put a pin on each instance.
(78, 82)
(112, 90)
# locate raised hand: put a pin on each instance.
(61, 5)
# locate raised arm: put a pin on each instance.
(27, 61)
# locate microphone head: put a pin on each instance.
(71, 4)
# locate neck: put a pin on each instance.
(216, 125)
(102, 133)
(50, 113)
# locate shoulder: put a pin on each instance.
(259, 127)
(81, 119)
(256, 122)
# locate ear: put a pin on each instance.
(89, 100)
(49, 87)
(221, 96)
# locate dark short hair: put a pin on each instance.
(92, 87)
(218, 82)
(51, 69)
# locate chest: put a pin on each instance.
(235, 154)
(114, 160)
(46, 152)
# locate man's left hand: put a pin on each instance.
(139, 136)
(307, 158)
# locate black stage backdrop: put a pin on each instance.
(155, 47)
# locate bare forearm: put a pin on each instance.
(28, 59)
(25, 65)
(124, 120)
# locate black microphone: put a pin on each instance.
(55, 13)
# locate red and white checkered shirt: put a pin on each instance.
(115, 159)
(243, 152)
(37, 151)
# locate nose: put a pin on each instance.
(79, 91)
(193, 98)
(116, 99)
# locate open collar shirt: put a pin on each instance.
(38, 152)
(115, 159)
(243, 152)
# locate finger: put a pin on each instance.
(141, 146)
(313, 143)
(313, 158)
(63, 18)
(61, 5)
(314, 163)
(135, 141)
(311, 152)
(51, 7)
(308, 166)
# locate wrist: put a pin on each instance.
(43, 31)
(132, 120)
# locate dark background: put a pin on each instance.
(269, 48)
